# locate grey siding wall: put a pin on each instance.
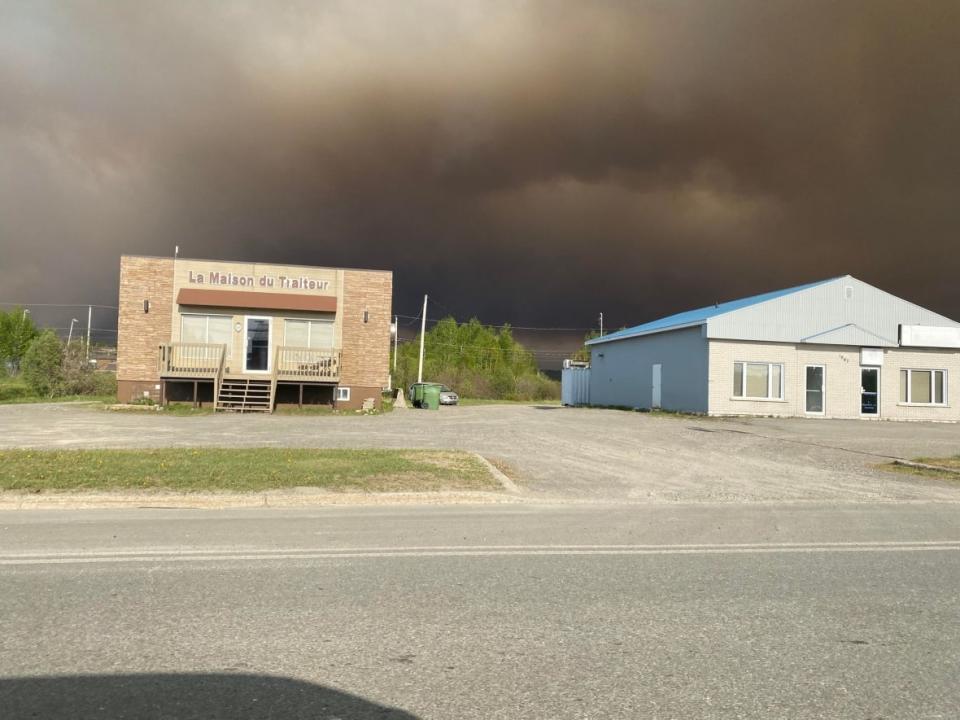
(621, 372)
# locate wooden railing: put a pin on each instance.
(192, 360)
(306, 364)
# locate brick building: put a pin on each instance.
(249, 336)
(839, 348)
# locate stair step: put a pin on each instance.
(240, 395)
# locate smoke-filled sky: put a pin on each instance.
(532, 162)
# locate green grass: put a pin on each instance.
(14, 390)
(241, 470)
(941, 468)
(187, 409)
(306, 410)
(951, 462)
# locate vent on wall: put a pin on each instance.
(848, 292)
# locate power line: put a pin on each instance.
(504, 325)
(79, 305)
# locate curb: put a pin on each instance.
(925, 466)
(508, 484)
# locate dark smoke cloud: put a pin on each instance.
(527, 161)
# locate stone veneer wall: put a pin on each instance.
(366, 346)
(140, 334)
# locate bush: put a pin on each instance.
(42, 365)
(476, 361)
(104, 383)
(13, 390)
(17, 331)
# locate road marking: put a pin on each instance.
(249, 554)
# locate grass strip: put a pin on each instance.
(942, 468)
(242, 470)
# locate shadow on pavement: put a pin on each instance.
(181, 697)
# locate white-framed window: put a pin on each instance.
(343, 394)
(923, 387)
(758, 381)
(308, 333)
(210, 329)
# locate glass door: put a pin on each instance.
(815, 389)
(869, 391)
(257, 345)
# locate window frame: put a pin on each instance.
(933, 387)
(743, 381)
(343, 394)
(823, 389)
(206, 329)
(309, 322)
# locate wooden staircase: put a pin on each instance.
(245, 395)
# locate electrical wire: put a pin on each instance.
(77, 305)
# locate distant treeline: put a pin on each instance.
(476, 361)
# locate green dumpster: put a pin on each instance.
(431, 397)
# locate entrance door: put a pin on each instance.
(870, 391)
(815, 388)
(655, 397)
(257, 345)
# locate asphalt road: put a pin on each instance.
(534, 611)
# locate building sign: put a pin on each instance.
(871, 356)
(215, 278)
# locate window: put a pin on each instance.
(758, 381)
(308, 333)
(213, 329)
(343, 394)
(923, 387)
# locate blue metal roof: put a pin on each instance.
(697, 317)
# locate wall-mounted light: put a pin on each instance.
(366, 316)
(146, 306)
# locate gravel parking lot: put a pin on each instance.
(561, 453)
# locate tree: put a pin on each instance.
(477, 361)
(17, 331)
(43, 364)
(583, 353)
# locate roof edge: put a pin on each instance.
(252, 262)
(642, 333)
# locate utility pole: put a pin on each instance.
(89, 324)
(423, 332)
(396, 336)
(601, 324)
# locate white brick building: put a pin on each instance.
(839, 348)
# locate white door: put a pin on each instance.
(655, 401)
(815, 389)
(256, 346)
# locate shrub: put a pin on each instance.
(42, 364)
(17, 331)
(477, 361)
(14, 390)
(104, 383)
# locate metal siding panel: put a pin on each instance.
(821, 309)
(621, 372)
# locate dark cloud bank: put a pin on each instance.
(527, 161)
